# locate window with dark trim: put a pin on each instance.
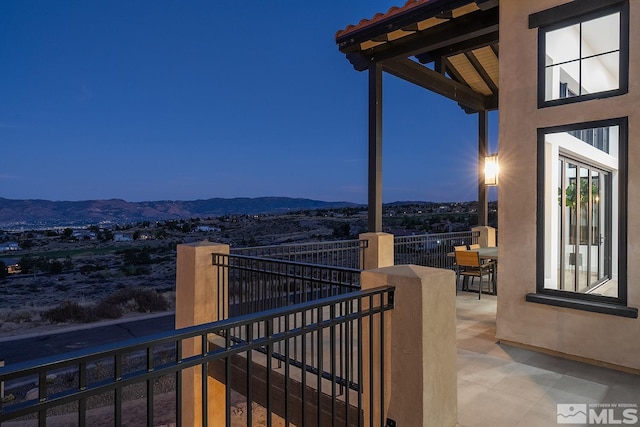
(581, 258)
(584, 55)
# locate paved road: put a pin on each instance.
(42, 345)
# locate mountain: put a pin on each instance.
(46, 213)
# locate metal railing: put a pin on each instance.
(430, 250)
(342, 253)
(315, 384)
(248, 284)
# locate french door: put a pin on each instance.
(584, 196)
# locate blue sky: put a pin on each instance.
(156, 100)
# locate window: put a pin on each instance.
(584, 57)
(581, 253)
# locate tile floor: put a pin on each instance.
(499, 385)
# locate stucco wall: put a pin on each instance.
(600, 337)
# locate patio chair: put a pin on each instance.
(455, 264)
(469, 265)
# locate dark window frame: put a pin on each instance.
(595, 303)
(578, 12)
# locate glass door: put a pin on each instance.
(584, 198)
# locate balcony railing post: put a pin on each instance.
(379, 250)
(197, 293)
(419, 353)
(487, 237)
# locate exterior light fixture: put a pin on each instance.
(491, 170)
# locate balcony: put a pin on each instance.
(303, 327)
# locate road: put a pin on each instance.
(48, 344)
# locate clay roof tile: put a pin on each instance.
(394, 10)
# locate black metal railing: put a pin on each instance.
(430, 250)
(342, 253)
(248, 284)
(314, 384)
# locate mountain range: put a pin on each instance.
(47, 213)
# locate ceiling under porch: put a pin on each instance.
(450, 47)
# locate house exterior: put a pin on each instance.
(569, 229)
(565, 76)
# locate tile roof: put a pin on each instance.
(393, 11)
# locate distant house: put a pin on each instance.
(84, 235)
(9, 246)
(13, 269)
(122, 237)
(207, 228)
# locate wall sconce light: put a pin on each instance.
(491, 170)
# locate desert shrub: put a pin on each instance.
(136, 256)
(139, 299)
(8, 398)
(67, 311)
(102, 310)
(100, 275)
(62, 287)
(19, 316)
(131, 270)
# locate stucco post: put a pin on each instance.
(487, 238)
(197, 303)
(380, 250)
(420, 346)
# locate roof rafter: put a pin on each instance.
(352, 39)
(481, 71)
(459, 30)
(453, 72)
(485, 40)
(422, 76)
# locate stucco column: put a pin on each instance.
(420, 346)
(487, 238)
(197, 303)
(380, 250)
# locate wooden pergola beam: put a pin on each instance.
(485, 40)
(431, 80)
(351, 41)
(456, 31)
(481, 71)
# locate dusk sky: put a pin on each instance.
(183, 100)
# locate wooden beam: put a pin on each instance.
(464, 46)
(375, 148)
(481, 71)
(403, 20)
(453, 72)
(494, 48)
(462, 29)
(431, 80)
